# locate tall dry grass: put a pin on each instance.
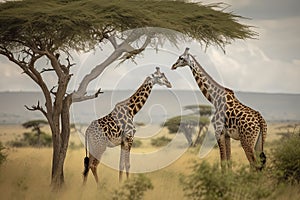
(26, 175)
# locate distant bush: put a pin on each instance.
(74, 146)
(209, 182)
(286, 159)
(32, 139)
(2, 154)
(160, 141)
(137, 143)
(139, 124)
(133, 189)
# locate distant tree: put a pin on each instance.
(32, 31)
(160, 141)
(202, 110)
(31, 139)
(205, 111)
(187, 125)
(35, 126)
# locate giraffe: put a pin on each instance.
(231, 118)
(117, 127)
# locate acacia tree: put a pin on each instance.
(32, 30)
(204, 111)
(36, 126)
(187, 125)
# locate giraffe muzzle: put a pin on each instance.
(174, 67)
(169, 85)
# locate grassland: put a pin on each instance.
(26, 173)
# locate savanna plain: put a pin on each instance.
(27, 170)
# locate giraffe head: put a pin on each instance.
(183, 60)
(159, 78)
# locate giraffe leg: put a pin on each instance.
(249, 151)
(93, 165)
(122, 163)
(220, 137)
(127, 162)
(222, 148)
(228, 151)
(95, 158)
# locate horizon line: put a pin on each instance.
(186, 90)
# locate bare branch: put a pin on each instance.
(52, 90)
(55, 63)
(37, 107)
(46, 70)
(69, 63)
(97, 70)
(77, 98)
(132, 54)
(112, 40)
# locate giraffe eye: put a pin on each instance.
(180, 58)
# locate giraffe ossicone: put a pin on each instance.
(231, 119)
(117, 128)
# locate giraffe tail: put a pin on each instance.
(86, 166)
(260, 143)
(86, 160)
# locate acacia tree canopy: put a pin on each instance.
(81, 24)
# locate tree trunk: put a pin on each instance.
(198, 138)
(60, 145)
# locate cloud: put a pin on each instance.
(247, 68)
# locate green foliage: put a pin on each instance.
(34, 124)
(32, 139)
(139, 123)
(174, 123)
(81, 24)
(160, 141)
(2, 154)
(209, 182)
(133, 189)
(75, 146)
(286, 159)
(137, 143)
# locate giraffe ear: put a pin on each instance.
(186, 51)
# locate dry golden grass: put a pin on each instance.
(26, 173)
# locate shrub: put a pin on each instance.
(74, 146)
(286, 159)
(32, 139)
(209, 182)
(133, 189)
(137, 143)
(2, 154)
(160, 141)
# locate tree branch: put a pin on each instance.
(55, 63)
(86, 97)
(113, 41)
(46, 70)
(52, 90)
(37, 107)
(133, 53)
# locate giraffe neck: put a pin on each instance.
(136, 101)
(208, 86)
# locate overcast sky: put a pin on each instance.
(271, 63)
